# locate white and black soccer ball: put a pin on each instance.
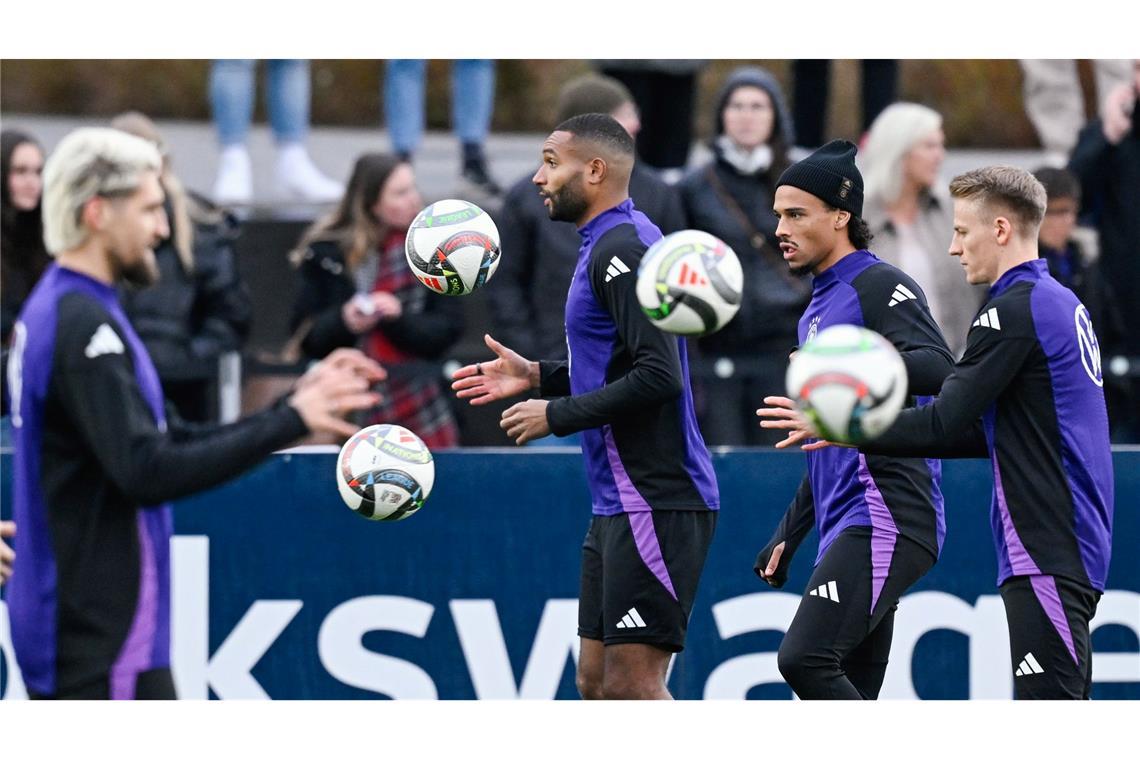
(690, 283)
(453, 247)
(850, 382)
(385, 472)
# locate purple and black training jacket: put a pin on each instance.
(94, 470)
(626, 386)
(1028, 394)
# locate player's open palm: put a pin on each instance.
(332, 393)
(782, 414)
(507, 375)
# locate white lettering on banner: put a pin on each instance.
(481, 637)
(346, 659)
(1117, 608)
(762, 611)
(991, 676)
(228, 671)
(190, 615)
(983, 624)
(341, 651)
(16, 688)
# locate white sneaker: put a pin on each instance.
(234, 184)
(298, 178)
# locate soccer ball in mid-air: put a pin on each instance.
(384, 472)
(850, 382)
(689, 283)
(453, 247)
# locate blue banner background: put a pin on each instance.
(508, 525)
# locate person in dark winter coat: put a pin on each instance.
(357, 289)
(1107, 161)
(528, 294)
(731, 198)
(23, 256)
(199, 309)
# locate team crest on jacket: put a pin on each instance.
(813, 328)
(1088, 345)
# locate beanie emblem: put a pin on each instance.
(845, 188)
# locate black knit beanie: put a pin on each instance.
(830, 175)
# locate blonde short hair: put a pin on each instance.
(1009, 188)
(893, 135)
(88, 163)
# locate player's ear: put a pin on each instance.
(842, 218)
(1003, 230)
(94, 213)
(596, 171)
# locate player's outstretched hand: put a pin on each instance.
(341, 360)
(782, 414)
(526, 421)
(336, 386)
(507, 375)
(7, 556)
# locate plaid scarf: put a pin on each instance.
(413, 400)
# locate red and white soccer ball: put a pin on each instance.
(690, 283)
(385, 472)
(850, 382)
(452, 247)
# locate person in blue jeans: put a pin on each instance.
(472, 101)
(287, 99)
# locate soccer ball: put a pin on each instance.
(384, 472)
(689, 283)
(452, 247)
(850, 382)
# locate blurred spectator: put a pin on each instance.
(1107, 161)
(357, 289)
(198, 309)
(287, 98)
(1055, 103)
(528, 294)
(732, 197)
(811, 86)
(909, 211)
(665, 93)
(472, 104)
(23, 256)
(1072, 261)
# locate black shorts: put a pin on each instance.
(1048, 620)
(639, 576)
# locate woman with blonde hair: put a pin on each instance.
(199, 309)
(357, 289)
(909, 211)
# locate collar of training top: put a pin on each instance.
(845, 269)
(1026, 271)
(607, 220)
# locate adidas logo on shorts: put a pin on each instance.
(631, 620)
(1029, 666)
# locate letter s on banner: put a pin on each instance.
(346, 659)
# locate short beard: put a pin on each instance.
(142, 274)
(569, 203)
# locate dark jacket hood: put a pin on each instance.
(754, 76)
